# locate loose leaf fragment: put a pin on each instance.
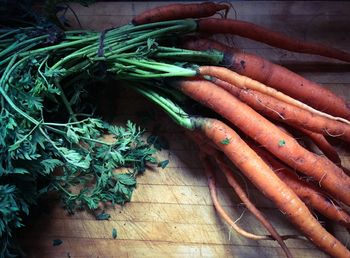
(103, 216)
(114, 233)
(225, 141)
(57, 242)
(163, 163)
(281, 143)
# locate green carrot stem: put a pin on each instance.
(58, 46)
(3, 79)
(8, 32)
(211, 57)
(66, 124)
(154, 34)
(173, 110)
(188, 22)
(82, 66)
(10, 102)
(17, 45)
(65, 101)
(27, 135)
(18, 52)
(143, 37)
(81, 137)
(184, 26)
(170, 70)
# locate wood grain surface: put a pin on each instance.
(171, 213)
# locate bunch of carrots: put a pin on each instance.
(260, 105)
(256, 106)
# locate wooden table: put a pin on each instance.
(171, 213)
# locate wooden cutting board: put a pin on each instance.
(171, 213)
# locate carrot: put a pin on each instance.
(245, 159)
(251, 207)
(321, 142)
(222, 213)
(277, 77)
(202, 44)
(277, 142)
(260, 174)
(246, 82)
(208, 149)
(346, 170)
(211, 182)
(317, 139)
(309, 193)
(179, 11)
(270, 37)
(289, 114)
(204, 144)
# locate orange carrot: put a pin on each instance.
(240, 192)
(246, 82)
(286, 148)
(270, 37)
(204, 144)
(276, 77)
(220, 210)
(179, 11)
(251, 207)
(207, 148)
(321, 142)
(260, 174)
(289, 114)
(317, 139)
(309, 193)
(346, 170)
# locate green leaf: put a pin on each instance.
(10, 124)
(117, 157)
(96, 123)
(126, 179)
(163, 163)
(225, 141)
(50, 164)
(281, 143)
(25, 207)
(75, 158)
(151, 160)
(57, 242)
(53, 90)
(126, 191)
(103, 216)
(20, 171)
(151, 43)
(53, 73)
(72, 136)
(33, 102)
(114, 233)
(14, 146)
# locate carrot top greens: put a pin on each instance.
(50, 137)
